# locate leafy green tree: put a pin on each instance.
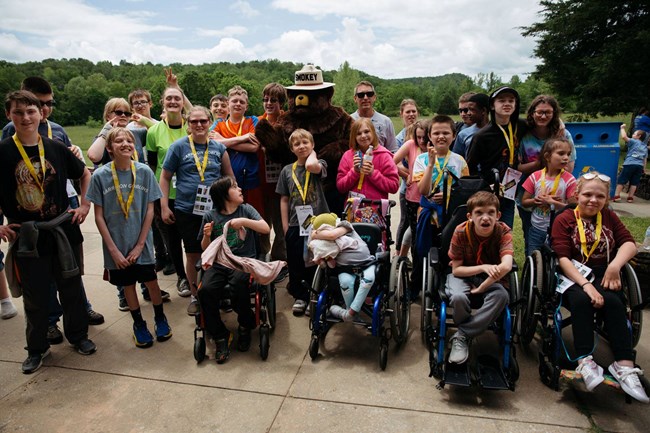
(595, 50)
(345, 79)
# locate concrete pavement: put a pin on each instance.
(162, 389)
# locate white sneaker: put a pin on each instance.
(628, 377)
(8, 310)
(459, 349)
(299, 307)
(592, 373)
(337, 311)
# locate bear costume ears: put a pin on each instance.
(309, 78)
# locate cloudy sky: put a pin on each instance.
(387, 38)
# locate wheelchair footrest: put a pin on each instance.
(457, 374)
(490, 373)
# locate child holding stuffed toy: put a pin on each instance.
(347, 250)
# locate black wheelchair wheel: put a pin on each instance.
(395, 299)
(199, 349)
(632, 291)
(317, 286)
(404, 293)
(383, 356)
(517, 307)
(270, 305)
(430, 283)
(313, 347)
(513, 369)
(264, 341)
(532, 276)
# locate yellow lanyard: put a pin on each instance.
(28, 162)
(556, 182)
(124, 206)
(440, 170)
(241, 125)
(509, 136)
(583, 237)
(49, 130)
(303, 192)
(199, 167)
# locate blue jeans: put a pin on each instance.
(346, 281)
(536, 238)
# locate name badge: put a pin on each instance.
(203, 202)
(304, 214)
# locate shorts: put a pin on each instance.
(189, 226)
(129, 276)
(630, 173)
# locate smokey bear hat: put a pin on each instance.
(309, 78)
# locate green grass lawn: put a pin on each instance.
(82, 136)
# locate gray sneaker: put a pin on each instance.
(299, 307)
(183, 287)
(193, 308)
(628, 377)
(459, 349)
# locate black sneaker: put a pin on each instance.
(243, 339)
(163, 294)
(94, 318)
(223, 348)
(54, 335)
(284, 273)
(123, 305)
(85, 347)
(34, 362)
(161, 263)
(169, 269)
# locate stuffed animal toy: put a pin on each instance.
(310, 108)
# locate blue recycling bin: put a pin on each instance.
(597, 148)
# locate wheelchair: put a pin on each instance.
(542, 315)
(262, 301)
(389, 292)
(436, 318)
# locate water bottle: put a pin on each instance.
(646, 241)
(368, 155)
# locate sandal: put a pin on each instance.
(223, 348)
(630, 199)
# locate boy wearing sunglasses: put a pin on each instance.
(365, 97)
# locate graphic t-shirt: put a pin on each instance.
(21, 198)
(314, 195)
(125, 232)
(239, 247)
(541, 216)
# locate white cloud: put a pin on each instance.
(244, 8)
(224, 32)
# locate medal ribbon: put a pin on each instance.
(509, 136)
(556, 182)
(124, 206)
(238, 133)
(583, 237)
(199, 167)
(28, 162)
(303, 192)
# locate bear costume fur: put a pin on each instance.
(313, 111)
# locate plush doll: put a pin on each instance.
(310, 108)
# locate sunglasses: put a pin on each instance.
(50, 103)
(362, 95)
(463, 110)
(271, 100)
(592, 175)
(122, 113)
(197, 121)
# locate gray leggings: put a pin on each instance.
(495, 298)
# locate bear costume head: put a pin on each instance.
(310, 108)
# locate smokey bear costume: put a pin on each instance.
(310, 108)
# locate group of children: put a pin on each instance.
(125, 189)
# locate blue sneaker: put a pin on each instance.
(142, 336)
(163, 330)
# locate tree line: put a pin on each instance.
(81, 87)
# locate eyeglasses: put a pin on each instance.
(543, 113)
(50, 103)
(197, 121)
(271, 100)
(362, 95)
(592, 175)
(122, 113)
(463, 110)
(139, 103)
